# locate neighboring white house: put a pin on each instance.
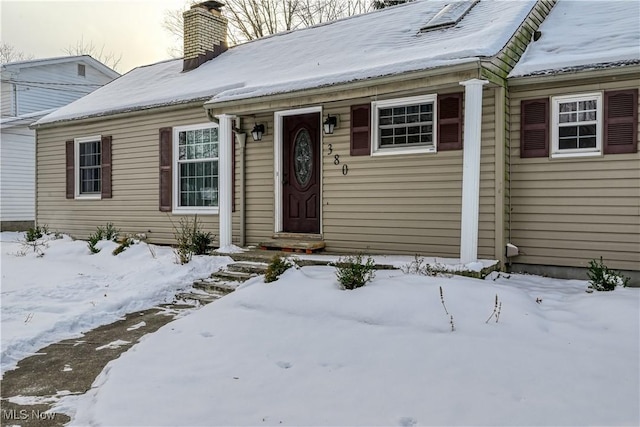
(30, 90)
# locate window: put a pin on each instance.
(195, 177)
(449, 15)
(577, 125)
(581, 125)
(405, 125)
(88, 163)
(81, 70)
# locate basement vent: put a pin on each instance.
(450, 15)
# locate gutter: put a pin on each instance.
(193, 103)
(570, 75)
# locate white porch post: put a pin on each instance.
(471, 170)
(225, 162)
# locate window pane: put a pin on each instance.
(587, 130)
(568, 118)
(406, 125)
(591, 115)
(587, 142)
(567, 107)
(386, 141)
(587, 105)
(398, 120)
(413, 118)
(568, 143)
(566, 131)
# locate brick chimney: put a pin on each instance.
(205, 34)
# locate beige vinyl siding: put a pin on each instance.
(259, 190)
(402, 203)
(568, 211)
(135, 178)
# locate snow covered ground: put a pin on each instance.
(68, 290)
(301, 351)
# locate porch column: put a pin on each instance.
(471, 170)
(225, 190)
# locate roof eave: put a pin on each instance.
(471, 64)
(92, 118)
(568, 75)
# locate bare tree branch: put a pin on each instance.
(9, 53)
(253, 19)
(110, 59)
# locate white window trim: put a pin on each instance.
(76, 167)
(556, 152)
(175, 187)
(399, 102)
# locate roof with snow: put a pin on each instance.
(381, 43)
(584, 34)
(87, 59)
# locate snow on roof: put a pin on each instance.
(25, 119)
(88, 59)
(580, 34)
(381, 43)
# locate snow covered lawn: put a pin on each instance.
(68, 290)
(300, 351)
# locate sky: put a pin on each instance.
(133, 28)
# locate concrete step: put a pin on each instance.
(248, 267)
(215, 286)
(202, 298)
(232, 276)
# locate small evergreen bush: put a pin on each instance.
(108, 232)
(354, 272)
(276, 267)
(601, 278)
(191, 240)
(37, 232)
(201, 242)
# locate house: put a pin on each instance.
(388, 132)
(31, 90)
(574, 164)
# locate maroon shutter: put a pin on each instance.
(361, 130)
(534, 128)
(621, 121)
(71, 161)
(106, 167)
(450, 122)
(166, 160)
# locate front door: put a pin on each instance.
(301, 173)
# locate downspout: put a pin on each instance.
(242, 139)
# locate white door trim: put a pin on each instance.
(277, 161)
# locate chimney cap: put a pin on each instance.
(210, 5)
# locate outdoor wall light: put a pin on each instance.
(257, 132)
(330, 124)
